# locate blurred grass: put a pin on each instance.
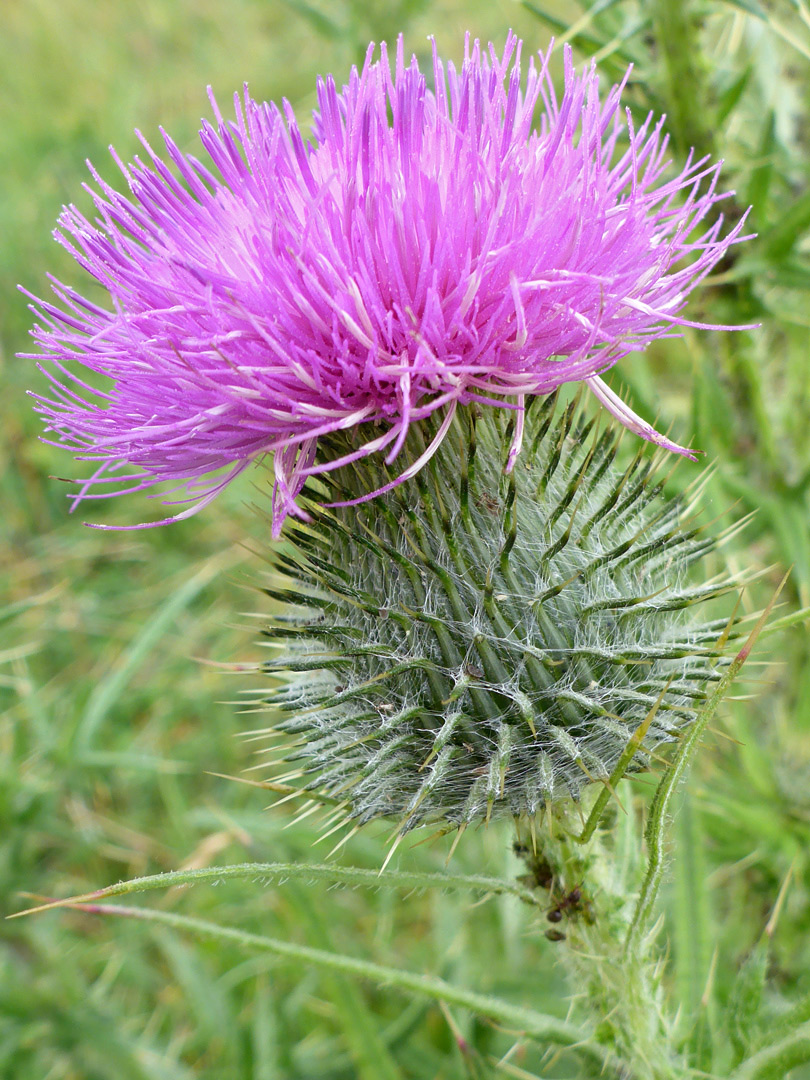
(109, 726)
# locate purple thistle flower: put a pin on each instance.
(479, 241)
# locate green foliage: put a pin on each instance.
(119, 618)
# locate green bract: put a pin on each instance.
(473, 643)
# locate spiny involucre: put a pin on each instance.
(476, 643)
(478, 241)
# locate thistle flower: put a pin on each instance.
(478, 644)
(478, 241)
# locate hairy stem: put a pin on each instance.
(267, 874)
(590, 889)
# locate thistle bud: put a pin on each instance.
(479, 642)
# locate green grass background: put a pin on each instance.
(112, 716)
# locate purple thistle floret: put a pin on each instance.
(479, 241)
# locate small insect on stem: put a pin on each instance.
(573, 903)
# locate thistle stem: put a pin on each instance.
(591, 891)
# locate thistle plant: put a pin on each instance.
(484, 606)
(477, 643)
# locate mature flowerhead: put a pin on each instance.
(479, 240)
